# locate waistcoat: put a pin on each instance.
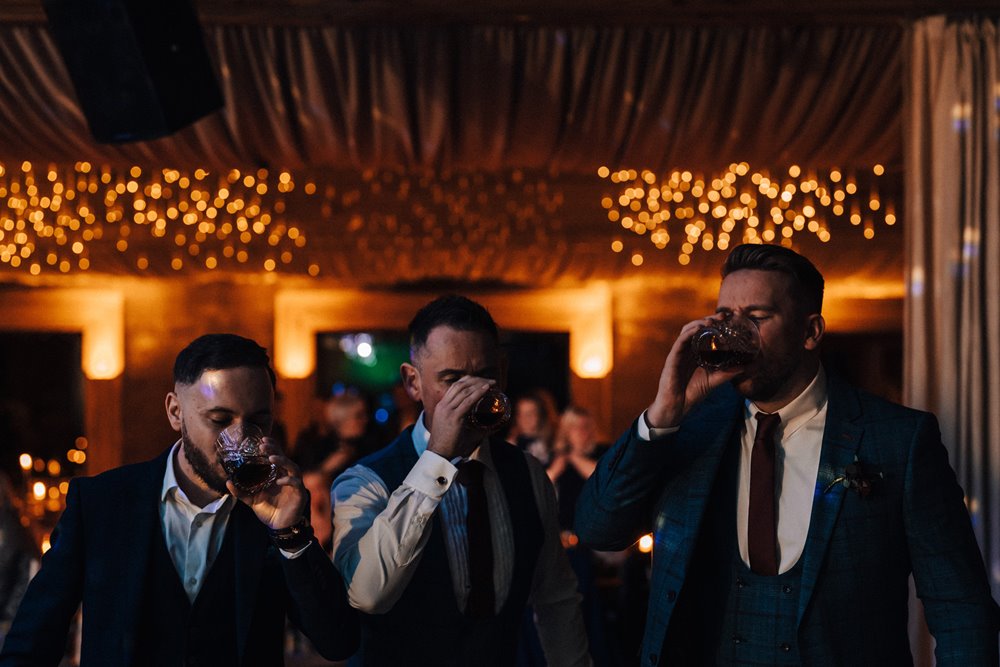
(725, 613)
(425, 626)
(173, 631)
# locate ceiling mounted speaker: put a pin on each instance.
(139, 67)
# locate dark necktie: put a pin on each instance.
(762, 533)
(481, 595)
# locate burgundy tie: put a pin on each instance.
(481, 595)
(762, 533)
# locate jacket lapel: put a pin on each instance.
(134, 545)
(251, 549)
(841, 439)
(708, 439)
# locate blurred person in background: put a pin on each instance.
(575, 452)
(534, 424)
(339, 438)
(18, 554)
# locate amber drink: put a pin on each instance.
(491, 412)
(241, 452)
(726, 344)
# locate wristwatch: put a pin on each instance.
(293, 537)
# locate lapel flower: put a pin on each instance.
(858, 477)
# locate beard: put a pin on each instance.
(768, 379)
(203, 468)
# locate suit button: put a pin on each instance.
(737, 639)
(786, 589)
(652, 658)
(740, 583)
(785, 647)
(671, 595)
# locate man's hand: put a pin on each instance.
(452, 436)
(683, 384)
(283, 503)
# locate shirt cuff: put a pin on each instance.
(292, 555)
(432, 475)
(648, 432)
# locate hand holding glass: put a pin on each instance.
(727, 343)
(241, 450)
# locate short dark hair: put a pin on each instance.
(455, 311)
(219, 351)
(807, 281)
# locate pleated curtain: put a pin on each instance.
(952, 308)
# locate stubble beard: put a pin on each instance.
(201, 466)
(768, 380)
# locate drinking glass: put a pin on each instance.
(491, 412)
(726, 344)
(241, 451)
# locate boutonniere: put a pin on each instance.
(858, 477)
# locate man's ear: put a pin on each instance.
(815, 328)
(173, 405)
(411, 380)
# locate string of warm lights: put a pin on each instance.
(50, 217)
(90, 218)
(742, 205)
(47, 483)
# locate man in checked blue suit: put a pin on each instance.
(788, 507)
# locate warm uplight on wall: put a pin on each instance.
(742, 205)
(103, 335)
(593, 361)
(296, 363)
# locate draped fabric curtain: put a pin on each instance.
(515, 107)
(952, 313)
(485, 97)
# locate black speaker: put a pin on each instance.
(139, 67)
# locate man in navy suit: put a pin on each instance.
(788, 508)
(172, 564)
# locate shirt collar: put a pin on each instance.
(802, 408)
(172, 489)
(421, 435)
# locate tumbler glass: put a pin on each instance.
(726, 344)
(241, 451)
(491, 412)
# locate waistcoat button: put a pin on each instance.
(786, 589)
(785, 647)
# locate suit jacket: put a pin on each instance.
(859, 552)
(100, 550)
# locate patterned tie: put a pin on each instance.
(481, 594)
(762, 533)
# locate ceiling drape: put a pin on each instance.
(492, 97)
(470, 152)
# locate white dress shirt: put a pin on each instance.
(193, 534)
(799, 443)
(378, 539)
